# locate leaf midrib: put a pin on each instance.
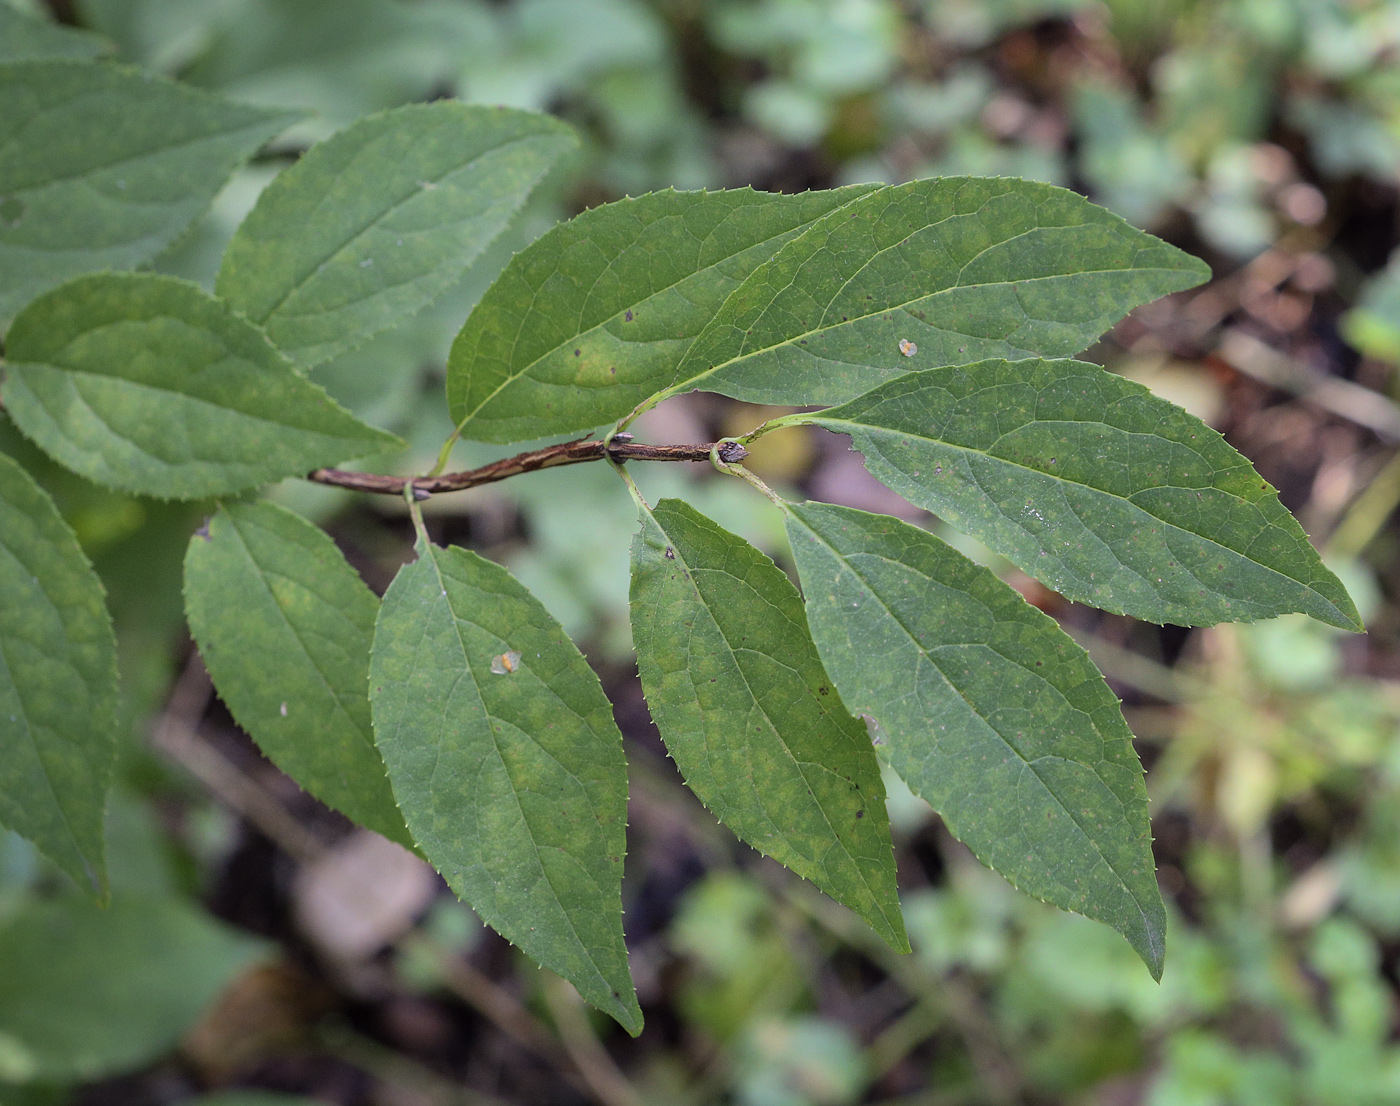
(470, 674)
(367, 738)
(29, 734)
(872, 432)
(904, 306)
(795, 231)
(1030, 765)
(164, 391)
(690, 574)
(138, 156)
(308, 275)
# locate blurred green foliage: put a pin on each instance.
(1231, 125)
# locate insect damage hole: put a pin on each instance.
(506, 663)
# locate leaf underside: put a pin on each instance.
(284, 625)
(148, 384)
(740, 697)
(591, 319)
(964, 268)
(1095, 487)
(102, 167)
(58, 684)
(988, 710)
(507, 764)
(376, 222)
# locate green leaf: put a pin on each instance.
(591, 319)
(988, 710)
(22, 37)
(507, 765)
(964, 268)
(375, 223)
(284, 625)
(88, 993)
(745, 708)
(101, 167)
(58, 684)
(1093, 485)
(148, 384)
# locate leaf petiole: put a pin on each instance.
(720, 456)
(445, 453)
(414, 498)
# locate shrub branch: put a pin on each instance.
(620, 449)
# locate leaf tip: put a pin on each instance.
(1150, 941)
(629, 1014)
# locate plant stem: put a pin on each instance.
(565, 453)
(415, 512)
(599, 1070)
(445, 452)
(719, 458)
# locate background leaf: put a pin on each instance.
(592, 318)
(150, 385)
(251, 1098)
(741, 700)
(1096, 487)
(23, 36)
(58, 684)
(510, 774)
(101, 167)
(88, 992)
(284, 625)
(988, 710)
(965, 268)
(375, 223)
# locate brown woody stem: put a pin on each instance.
(620, 449)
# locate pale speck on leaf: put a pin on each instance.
(907, 347)
(506, 663)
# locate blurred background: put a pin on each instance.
(268, 948)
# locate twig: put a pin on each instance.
(1000, 1079)
(504, 1011)
(1343, 398)
(619, 450)
(398, 1071)
(176, 735)
(1368, 512)
(604, 1077)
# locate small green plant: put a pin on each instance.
(931, 322)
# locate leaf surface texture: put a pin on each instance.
(149, 385)
(964, 268)
(284, 625)
(754, 724)
(591, 319)
(1096, 487)
(376, 222)
(58, 684)
(102, 167)
(512, 781)
(988, 710)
